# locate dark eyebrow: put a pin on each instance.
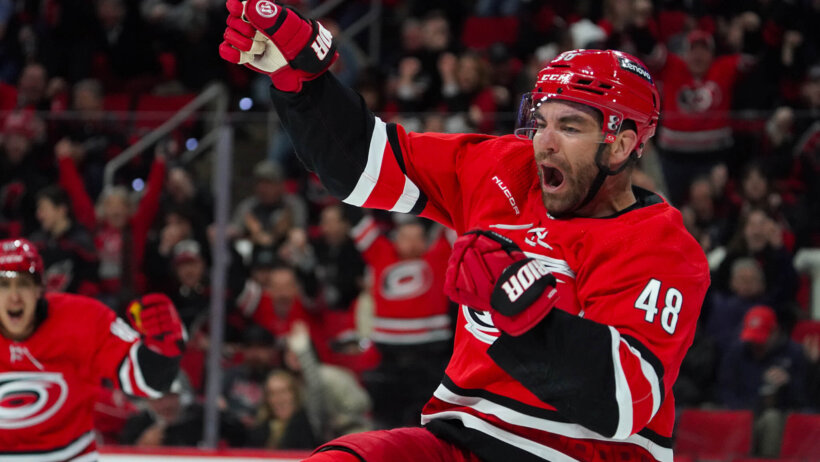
(578, 119)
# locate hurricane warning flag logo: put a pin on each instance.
(30, 398)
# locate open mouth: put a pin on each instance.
(551, 177)
(15, 314)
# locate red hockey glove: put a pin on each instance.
(157, 321)
(275, 40)
(489, 272)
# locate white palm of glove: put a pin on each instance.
(263, 55)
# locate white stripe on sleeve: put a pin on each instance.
(370, 175)
(623, 396)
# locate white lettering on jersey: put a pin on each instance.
(19, 352)
(30, 398)
(321, 46)
(508, 194)
(523, 279)
(122, 330)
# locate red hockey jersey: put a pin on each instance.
(696, 111)
(50, 381)
(592, 381)
(410, 307)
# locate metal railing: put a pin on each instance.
(215, 93)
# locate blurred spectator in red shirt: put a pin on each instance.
(696, 133)
(120, 230)
(411, 323)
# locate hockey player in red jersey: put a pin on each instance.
(579, 293)
(57, 349)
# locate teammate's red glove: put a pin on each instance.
(157, 321)
(489, 272)
(276, 40)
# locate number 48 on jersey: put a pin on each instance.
(648, 301)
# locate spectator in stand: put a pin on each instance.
(182, 190)
(243, 384)
(267, 216)
(764, 371)
(20, 177)
(695, 133)
(188, 29)
(69, 256)
(339, 265)
(760, 237)
(192, 296)
(121, 39)
(466, 90)
(756, 191)
(32, 88)
(120, 230)
(411, 325)
(747, 287)
(418, 82)
(173, 420)
(96, 135)
(283, 422)
(701, 215)
(178, 224)
(334, 400)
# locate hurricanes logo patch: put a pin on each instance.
(266, 9)
(406, 279)
(29, 398)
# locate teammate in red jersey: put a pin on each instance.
(57, 349)
(579, 293)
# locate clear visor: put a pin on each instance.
(531, 120)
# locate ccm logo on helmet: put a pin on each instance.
(635, 69)
(267, 9)
(523, 279)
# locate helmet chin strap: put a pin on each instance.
(603, 172)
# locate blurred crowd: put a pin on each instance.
(318, 343)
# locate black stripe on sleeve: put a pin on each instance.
(393, 139)
(662, 441)
(650, 357)
(395, 146)
(420, 204)
(565, 361)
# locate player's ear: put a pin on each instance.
(625, 143)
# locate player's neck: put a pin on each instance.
(615, 195)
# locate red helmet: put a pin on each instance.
(613, 82)
(20, 256)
